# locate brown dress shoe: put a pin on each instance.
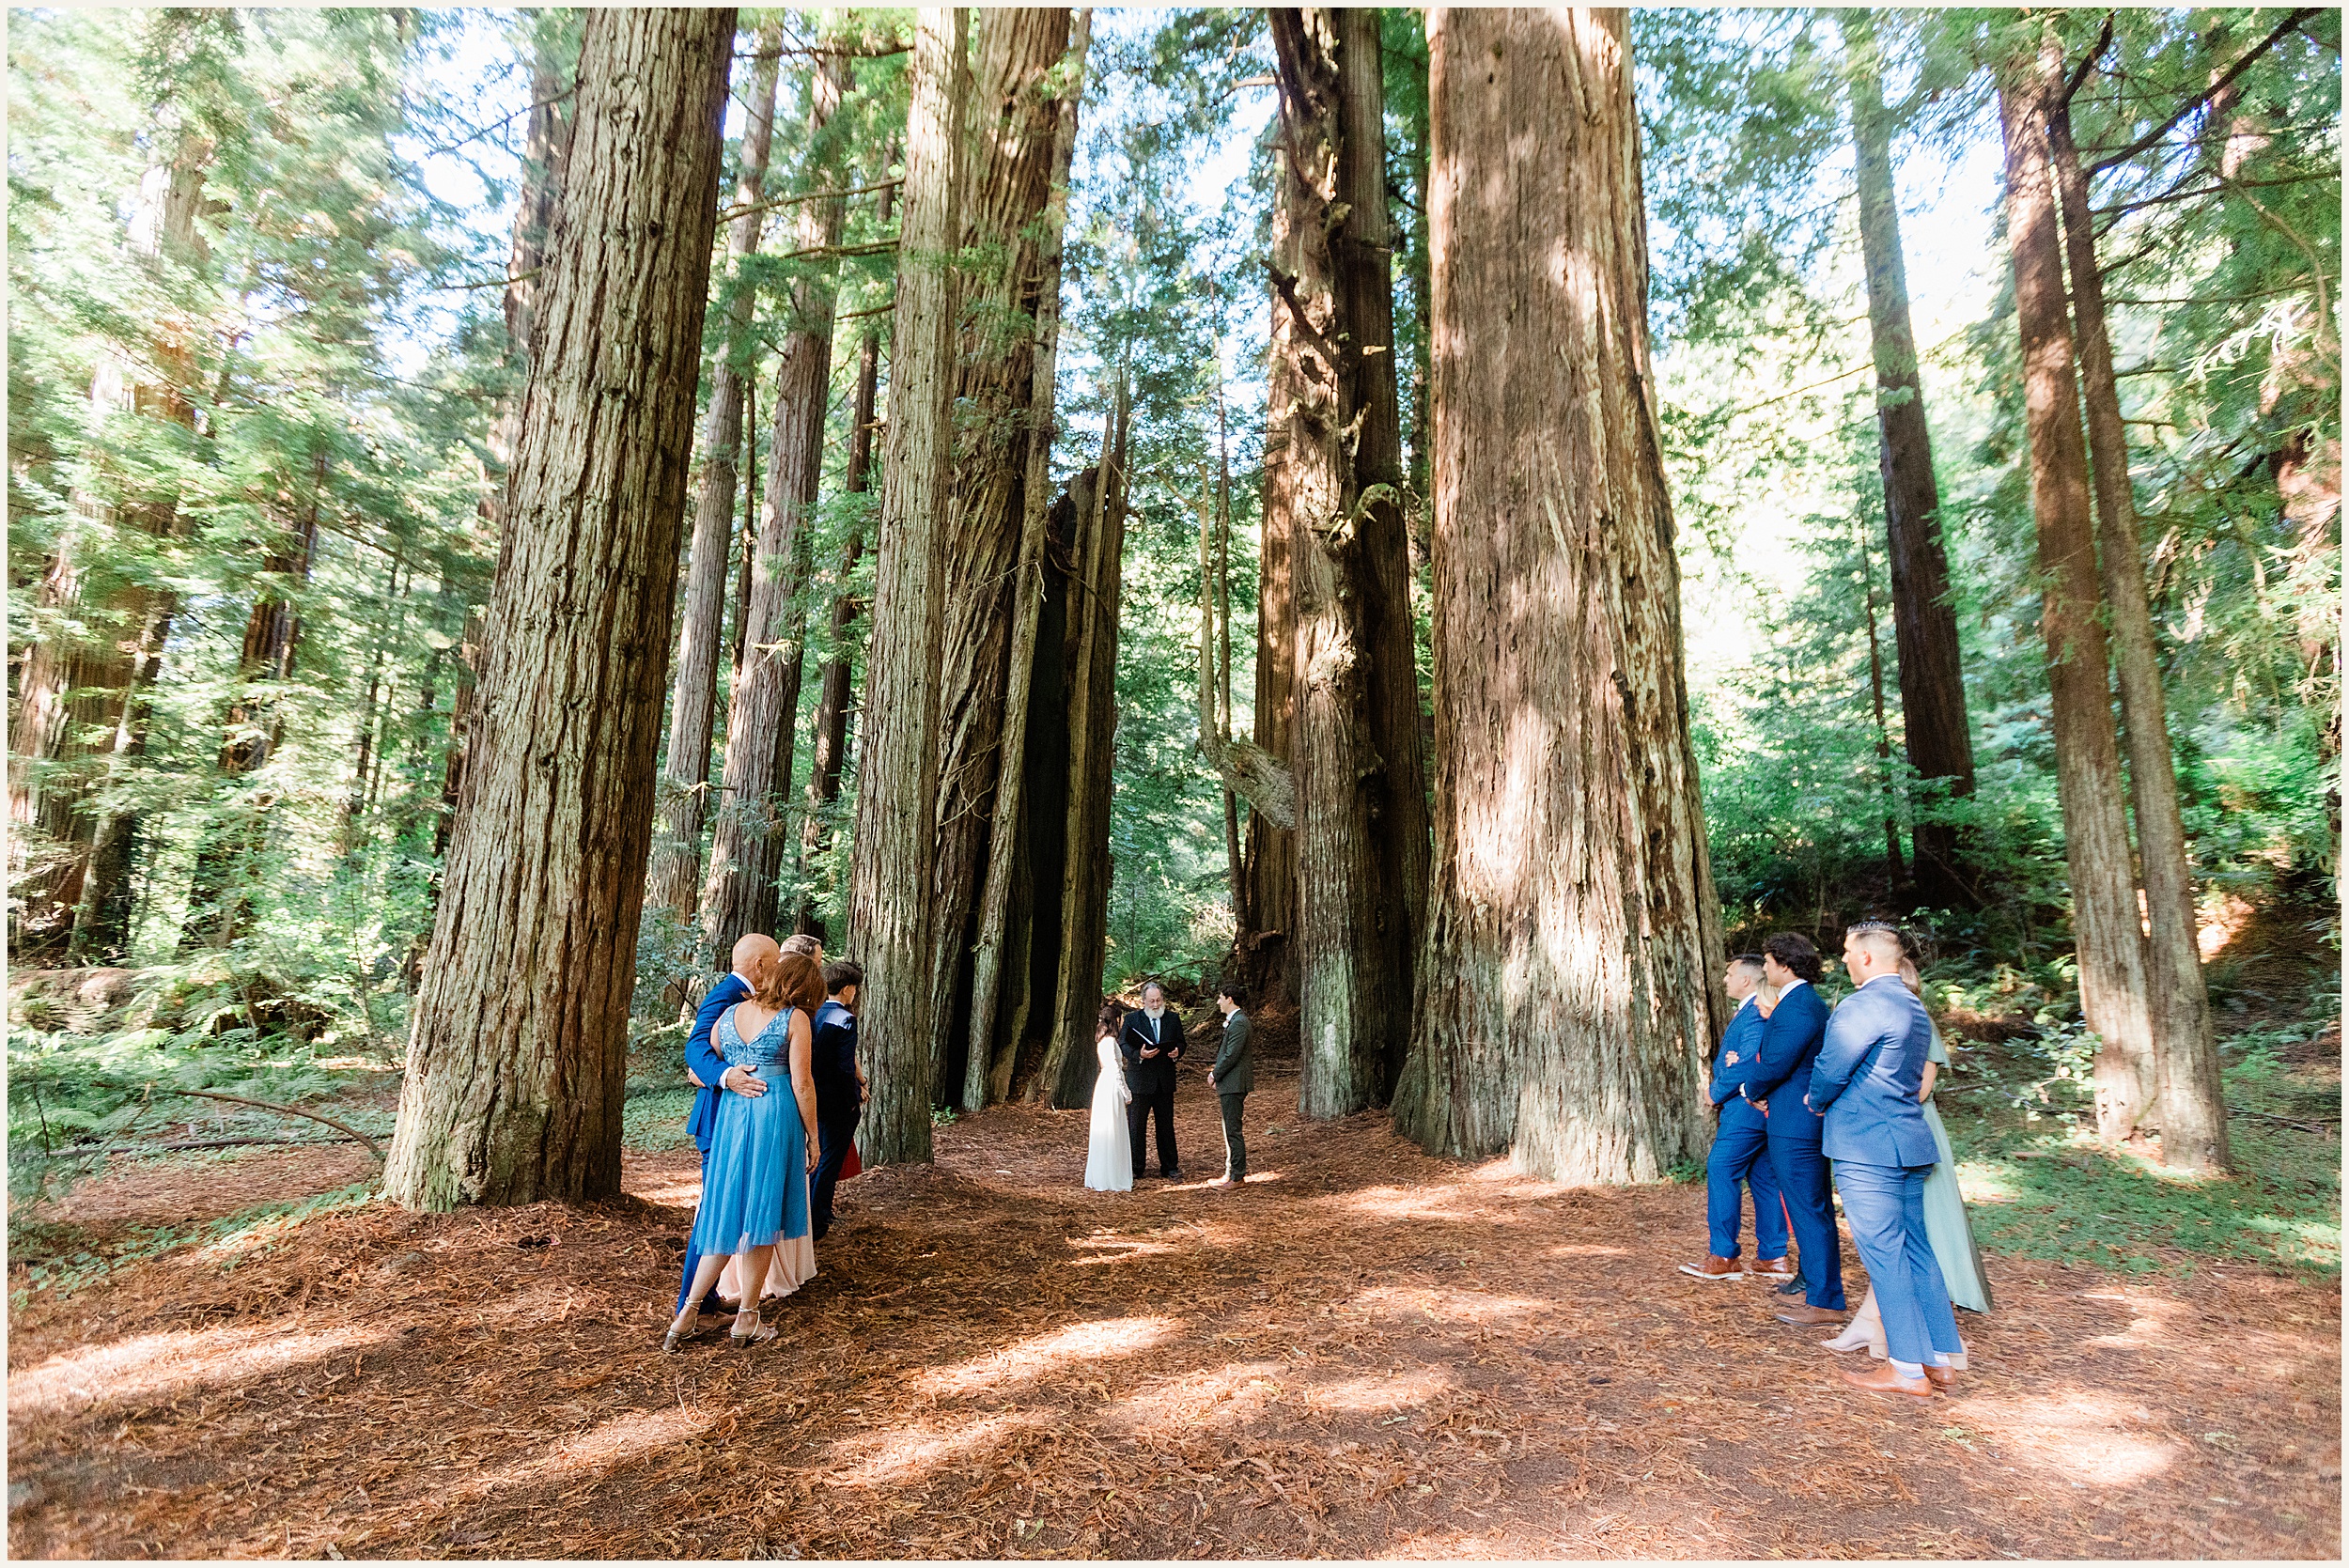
(1771, 1268)
(1804, 1315)
(1943, 1378)
(1884, 1380)
(1714, 1268)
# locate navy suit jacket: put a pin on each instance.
(1867, 1077)
(838, 1097)
(704, 1060)
(1790, 1042)
(1742, 1036)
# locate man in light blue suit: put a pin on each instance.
(1741, 1154)
(1866, 1081)
(710, 1075)
(1790, 1042)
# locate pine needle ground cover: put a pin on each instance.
(1364, 1353)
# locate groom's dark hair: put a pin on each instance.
(1797, 952)
(1234, 991)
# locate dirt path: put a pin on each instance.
(1366, 1352)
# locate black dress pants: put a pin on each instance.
(834, 1139)
(1146, 1104)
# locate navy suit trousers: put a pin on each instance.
(1741, 1156)
(1886, 1206)
(835, 1136)
(1803, 1182)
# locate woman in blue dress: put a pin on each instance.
(755, 1182)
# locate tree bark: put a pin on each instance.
(517, 1063)
(837, 677)
(746, 851)
(2193, 1113)
(1005, 831)
(677, 860)
(2110, 941)
(1363, 849)
(1006, 184)
(1267, 943)
(891, 883)
(1936, 732)
(1064, 1077)
(1569, 1001)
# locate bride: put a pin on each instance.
(1110, 1152)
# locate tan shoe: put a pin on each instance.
(1804, 1315)
(1714, 1268)
(1884, 1380)
(1771, 1268)
(1943, 1378)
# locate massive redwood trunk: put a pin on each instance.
(1007, 181)
(746, 853)
(896, 782)
(1938, 737)
(1268, 915)
(1009, 834)
(1078, 907)
(2193, 1113)
(830, 730)
(518, 1061)
(2109, 939)
(1568, 999)
(677, 860)
(1361, 807)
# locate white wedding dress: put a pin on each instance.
(1110, 1151)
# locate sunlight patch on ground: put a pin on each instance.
(1225, 1397)
(155, 1364)
(1583, 1250)
(1406, 1203)
(1033, 1358)
(1388, 1395)
(913, 1451)
(1450, 1305)
(2078, 1436)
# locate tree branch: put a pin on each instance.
(282, 1110)
(727, 215)
(2087, 62)
(2153, 136)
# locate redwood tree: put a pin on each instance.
(2193, 1113)
(746, 852)
(1007, 184)
(677, 860)
(517, 1062)
(1362, 805)
(2107, 935)
(897, 792)
(1935, 729)
(1569, 1001)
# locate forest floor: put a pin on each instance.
(1363, 1353)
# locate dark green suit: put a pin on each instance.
(1235, 1073)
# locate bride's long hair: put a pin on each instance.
(1112, 1019)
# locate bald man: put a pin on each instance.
(708, 1068)
(1866, 1083)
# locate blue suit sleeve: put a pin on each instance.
(1784, 1036)
(702, 1058)
(1738, 1037)
(1852, 1032)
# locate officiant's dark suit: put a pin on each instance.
(1151, 1081)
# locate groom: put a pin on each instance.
(1151, 1041)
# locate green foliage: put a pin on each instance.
(43, 1250)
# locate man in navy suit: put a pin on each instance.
(1790, 1042)
(840, 1089)
(1866, 1083)
(707, 1067)
(1741, 1147)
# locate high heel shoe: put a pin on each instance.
(758, 1333)
(684, 1328)
(1861, 1330)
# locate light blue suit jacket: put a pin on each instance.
(1867, 1077)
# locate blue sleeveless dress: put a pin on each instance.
(753, 1187)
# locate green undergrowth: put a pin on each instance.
(53, 1261)
(2039, 1185)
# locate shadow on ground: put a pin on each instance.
(1364, 1353)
